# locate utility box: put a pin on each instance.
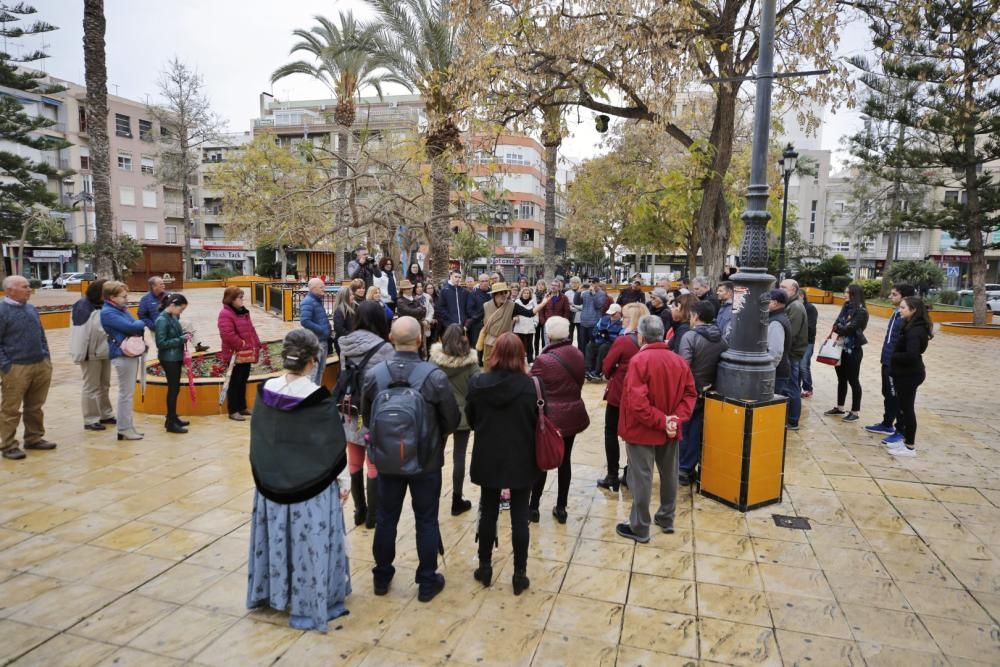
(743, 453)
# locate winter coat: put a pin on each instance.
(408, 306)
(565, 406)
(557, 306)
(459, 371)
(452, 306)
(366, 272)
(237, 332)
(779, 342)
(629, 295)
(676, 334)
(382, 282)
(812, 315)
(797, 317)
(725, 318)
(502, 410)
(658, 384)
(851, 324)
(591, 306)
(87, 340)
(524, 324)
(907, 358)
(343, 324)
(170, 338)
(606, 331)
(701, 348)
(616, 366)
(149, 308)
(119, 325)
(353, 347)
(312, 316)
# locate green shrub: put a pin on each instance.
(838, 284)
(221, 273)
(948, 297)
(871, 288)
(35, 283)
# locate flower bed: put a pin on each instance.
(60, 308)
(211, 366)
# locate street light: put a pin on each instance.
(84, 198)
(501, 216)
(787, 165)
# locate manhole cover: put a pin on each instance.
(795, 522)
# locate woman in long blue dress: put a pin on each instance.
(298, 549)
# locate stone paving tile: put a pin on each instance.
(135, 553)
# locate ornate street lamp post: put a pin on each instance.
(787, 165)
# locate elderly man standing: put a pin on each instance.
(701, 287)
(26, 368)
(149, 304)
(797, 317)
(312, 315)
(658, 396)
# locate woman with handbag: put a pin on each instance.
(907, 369)
(239, 340)
(502, 408)
(125, 349)
(849, 332)
(560, 367)
(170, 342)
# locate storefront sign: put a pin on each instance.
(226, 255)
(55, 254)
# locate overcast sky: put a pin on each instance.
(236, 44)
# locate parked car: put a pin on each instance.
(75, 278)
(992, 291)
(47, 284)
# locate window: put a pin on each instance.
(953, 196)
(123, 125)
(126, 196)
(84, 162)
(812, 220)
(170, 233)
(82, 118)
(149, 198)
(527, 210)
(839, 206)
(146, 130)
(147, 165)
(527, 237)
(515, 158)
(152, 231)
(841, 246)
(128, 227)
(125, 161)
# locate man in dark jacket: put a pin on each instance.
(797, 317)
(312, 315)
(477, 313)
(891, 426)
(452, 305)
(363, 267)
(632, 294)
(149, 304)
(701, 347)
(779, 341)
(701, 287)
(805, 366)
(441, 417)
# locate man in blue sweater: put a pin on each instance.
(149, 304)
(312, 315)
(26, 368)
(890, 426)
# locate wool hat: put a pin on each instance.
(660, 294)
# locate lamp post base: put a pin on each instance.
(746, 372)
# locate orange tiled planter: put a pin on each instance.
(60, 319)
(206, 401)
(967, 329)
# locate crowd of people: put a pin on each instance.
(419, 367)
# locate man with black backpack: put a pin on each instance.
(409, 409)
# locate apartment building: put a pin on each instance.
(210, 246)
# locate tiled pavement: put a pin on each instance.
(135, 553)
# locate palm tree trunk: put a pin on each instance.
(97, 126)
(439, 232)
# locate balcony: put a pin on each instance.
(364, 116)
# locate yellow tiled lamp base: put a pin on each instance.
(743, 453)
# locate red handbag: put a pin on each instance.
(549, 447)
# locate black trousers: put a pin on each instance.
(565, 477)
(906, 395)
(461, 446)
(595, 355)
(172, 371)
(425, 496)
(612, 450)
(236, 395)
(529, 347)
(890, 415)
(489, 509)
(849, 373)
(539, 335)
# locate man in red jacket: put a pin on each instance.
(658, 396)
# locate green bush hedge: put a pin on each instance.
(871, 288)
(839, 283)
(948, 297)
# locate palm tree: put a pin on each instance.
(96, 75)
(416, 42)
(343, 64)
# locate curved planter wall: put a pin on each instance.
(60, 319)
(206, 401)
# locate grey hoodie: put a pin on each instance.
(701, 348)
(355, 346)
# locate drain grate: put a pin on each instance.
(795, 522)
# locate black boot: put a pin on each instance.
(459, 505)
(372, 502)
(181, 422)
(520, 581)
(610, 482)
(358, 494)
(484, 574)
(173, 427)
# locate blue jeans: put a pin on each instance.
(805, 368)
(425, 496)
(788, 387)
(690, 453)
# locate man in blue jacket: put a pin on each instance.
(149, 305)
(452, 306)
(605, 333)
(313, 316)
(890, 426)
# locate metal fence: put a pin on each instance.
(329, 300)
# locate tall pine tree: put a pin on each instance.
(24, 174)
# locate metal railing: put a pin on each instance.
(329, 301)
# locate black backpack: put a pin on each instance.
(350, 383)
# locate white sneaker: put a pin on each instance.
(903, 450)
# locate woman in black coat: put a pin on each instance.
(502, 409)
(850, 327)
(907, 369)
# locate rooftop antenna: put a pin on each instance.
(116, 88)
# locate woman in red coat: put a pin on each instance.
(238, 335)
(560, 367)
(614, 369)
